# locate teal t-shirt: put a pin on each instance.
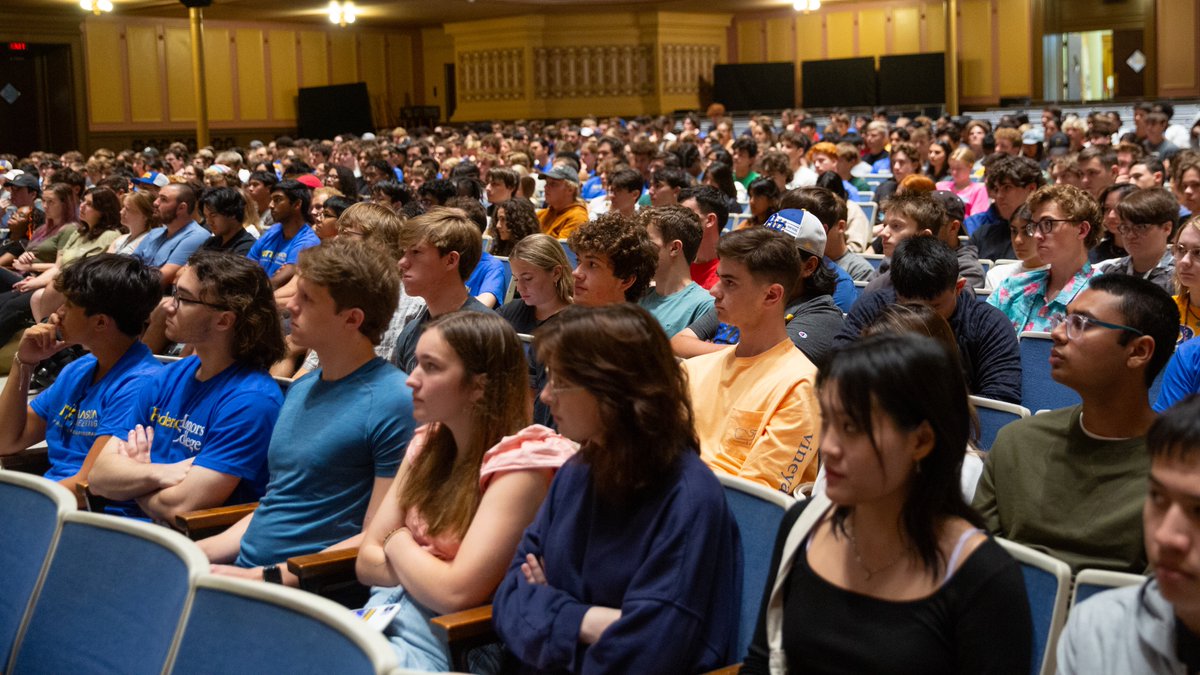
(678, 310)
(332, 440)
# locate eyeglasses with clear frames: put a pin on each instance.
(1180, 252)
(1045, 225)
(553, 387)
(1077, 324)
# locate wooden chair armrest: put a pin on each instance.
(207, 522)
(727, 670)
(30, 460)
(338, 563)
(88, 499)
(331, 574)
(463, 625)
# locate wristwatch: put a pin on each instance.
(272, 574)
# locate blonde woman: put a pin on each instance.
(138, 217)
(974, 195)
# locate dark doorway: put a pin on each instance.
(451, 92)
(37, 99)
(1129, 63)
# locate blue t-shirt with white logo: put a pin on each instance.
(224, 422)
(77, 412)
(273, 251)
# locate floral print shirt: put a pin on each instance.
(1023, 300)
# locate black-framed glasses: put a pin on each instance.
(178, 299)
(1134, 228)
(1180, 252)
(1078, 323)
(1045, 225)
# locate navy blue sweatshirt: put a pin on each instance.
(671, 562)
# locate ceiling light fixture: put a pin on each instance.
(806, 5)
(96, 6)
(340, 13)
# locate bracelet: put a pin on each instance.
(21, 364)
(389, 536)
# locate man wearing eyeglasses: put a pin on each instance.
(1148, 217)
(1071, 482)
(197, 436)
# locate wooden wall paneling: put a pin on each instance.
(842, 34)
(906, 30)
(218, 73)
(1015, 48)
(252, 75)
(314, 59)
(107, 79)
(343, 58)
(975, 49)
(284, 74)
(872, 32)
(146, 89)
(181, 92)
(1178, 25)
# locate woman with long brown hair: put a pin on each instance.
(470, 481)
(633, 565)
(99, 220)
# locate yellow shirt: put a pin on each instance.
(757, 417)
(1189, 317)
(560, 224)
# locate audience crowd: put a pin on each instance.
(508, 363)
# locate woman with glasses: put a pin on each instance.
(633, 564)
(1146, 219)
(1065, 225)
(890, 571)
(1186, 252)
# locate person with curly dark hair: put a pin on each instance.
(616, 260)
(514, 220)
(197, 436)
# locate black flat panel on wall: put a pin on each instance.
(910, 79)
(755, 86)
(325, 112)
(838, 83)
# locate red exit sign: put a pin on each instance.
(17, 46)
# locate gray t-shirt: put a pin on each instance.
(856, 266)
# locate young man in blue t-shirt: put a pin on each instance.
(197, 436)
(329, 468)
(108, 298)
(277, 249)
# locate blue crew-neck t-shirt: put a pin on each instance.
(491, 275)
(273, 251)
(224, 422)
(334, 438)
(78, 411)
